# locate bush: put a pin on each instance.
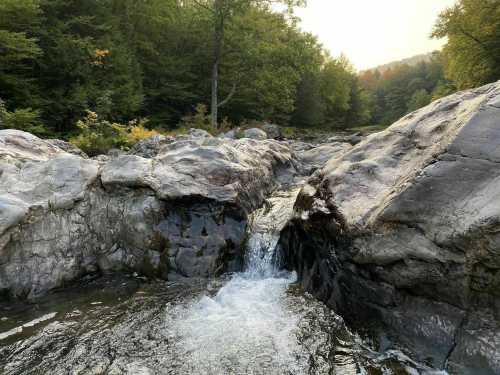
(25, 119)
(99, 136)
(200, 119)
(138, 132)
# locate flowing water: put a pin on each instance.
(254, 322)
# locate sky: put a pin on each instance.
(374, 32)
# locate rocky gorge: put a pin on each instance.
(397, 232)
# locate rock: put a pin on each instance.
(314, 157)
(352, 139)
(67, 147)
(199, 133)
(150, 147)
(255, 133)
(18, 147)
(273, 131)
(183, 210)
(416, 248)
(115, 152)
(232, 134)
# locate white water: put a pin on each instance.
(252, 325)
(246, 328)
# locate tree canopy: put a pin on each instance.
(472, 52)
(165, 59)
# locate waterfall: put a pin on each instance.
(266, 224)
(246, 327)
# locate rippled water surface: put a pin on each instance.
(254, 322)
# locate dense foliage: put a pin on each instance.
(159, 59)
(473, 50)
(125, 59)
(404, 88)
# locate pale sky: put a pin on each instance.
(374, 32)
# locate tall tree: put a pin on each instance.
(19, 24)
(473, 49)
(222, 12)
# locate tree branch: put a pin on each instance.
(204, 6)
(229, 96)
(482, 44)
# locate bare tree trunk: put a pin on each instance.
(218, 34)
(215, 87)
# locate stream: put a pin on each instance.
(254, 322)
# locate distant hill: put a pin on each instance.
(412, 61)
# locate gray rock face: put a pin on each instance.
(18, 147)
(313, 157)
(415, 245)
(183, 210)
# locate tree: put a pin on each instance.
(419, 99)
(309, 105)
(473, 49)
(336, 87)
(221, 13)
(19, 23)
(403, 88)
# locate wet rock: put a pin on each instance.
(204, 239)
(133, 328)
(419, 253)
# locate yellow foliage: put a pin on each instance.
(99, 56)
(139, 132)
(97, 136)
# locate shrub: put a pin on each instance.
(200, 119)
(138, 132)
(99, 136)
(25, 119)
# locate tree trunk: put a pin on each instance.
(215, 86)
(218, 33)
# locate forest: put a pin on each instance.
(67, 66)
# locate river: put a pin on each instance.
(254, 322)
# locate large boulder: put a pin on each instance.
(181, 210)
(403, 230)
